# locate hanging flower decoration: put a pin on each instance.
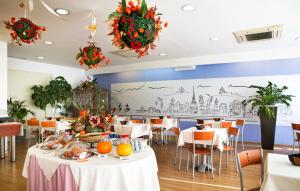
(24, 30)
(91, 56)
(135, 26)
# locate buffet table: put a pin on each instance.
(280, 174)
(46, 171)
(134, 130)
(10, 130)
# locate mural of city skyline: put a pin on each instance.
(197, 97)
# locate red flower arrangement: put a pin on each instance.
(135, 26)
(24, 30)
(91, 56)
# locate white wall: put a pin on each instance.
(23, 74)
(73, 75)
(3, 79)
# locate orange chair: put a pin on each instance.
(233, 136)
(250, 157)
(226, 124)
(196, 151)
(33, 128)
(48, 128)
(157, 128)
(240, 123)
(137, 121)
(296, 135)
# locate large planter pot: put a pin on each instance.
(268, 128)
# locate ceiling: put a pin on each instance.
(188, 34)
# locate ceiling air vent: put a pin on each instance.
(125, 53)
(258, 34)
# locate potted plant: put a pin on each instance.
(18, 110)
(266, 100)
(40, 97)
(59, 91)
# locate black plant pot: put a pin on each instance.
(268, 128)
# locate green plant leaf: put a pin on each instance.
(114, 14)
(144, 8)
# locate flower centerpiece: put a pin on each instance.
(89, 123)
(135, 26)
(91, 56)
(24, 30)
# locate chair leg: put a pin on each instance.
(180, 158)
(187, 162)
(29, 137)
(243, 138)
(212, 166)
(235, 159)
(220, 161)
(226, 158)
(175, 160)
(193, 166)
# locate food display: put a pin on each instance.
(91, 137)
(104, 147)
(53, 142)
(76, 150)
(124, 149)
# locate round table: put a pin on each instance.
(45, 171)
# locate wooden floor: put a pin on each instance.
(170, 178)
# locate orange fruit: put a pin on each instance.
(104, 147)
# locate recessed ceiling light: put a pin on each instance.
(213, 38)
(188, 7)
(61, 11)
(297, 38)
(40, 57)
(162, 54)
(48, 42)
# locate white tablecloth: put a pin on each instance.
(168, 123)
(217, 124)
(139, 173)
(280, 174)
(221, 135)
(134, 130)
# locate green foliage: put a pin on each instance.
(58, 90)
(267, 97)
(124, 6)
(18, 110)
(144, 8)
(40, 97)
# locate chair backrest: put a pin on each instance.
(203, 135)
(176, 130)
(226, 124)
(240, 122)
(233, 131)
(137, 121)
(250, 157)
(200, 121)
(48, 124)
(156, 121)
(33, 122)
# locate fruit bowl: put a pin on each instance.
(295, 159)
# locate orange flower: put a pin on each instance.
(128, 10)
(136, 34)
(131, 4)
(119, 10)
(83, 113)
(141, 30)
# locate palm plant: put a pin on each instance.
(267, 97)
(18, 110)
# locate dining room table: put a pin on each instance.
(217, 124)
(9, 130)
(134, 130)
(220, 137)
(46, 171)
(280, 174)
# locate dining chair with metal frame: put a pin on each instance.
(33, 128)
(247, 158)
(296, 135)
(240, 123)
(230, 146)
(197, 151)
(48, 125)
(157, 129)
